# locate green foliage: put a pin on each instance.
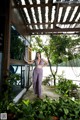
(17, 47)
(47, 80)
(64, 108)
(68, 109)
(59, 48)
(66, 87)
(12, 79)
(8, 93)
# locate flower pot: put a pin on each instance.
(11, 116)
(55, 118)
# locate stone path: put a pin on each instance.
(46, 91)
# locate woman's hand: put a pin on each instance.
(45, 63)
(25, 60)
(28, 62)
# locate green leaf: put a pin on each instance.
(66, 111)
(26, 102)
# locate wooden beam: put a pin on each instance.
(55, 30)
(65, 23)
(46, 4)
(34, 5)
(54, 33)
(6, 59)
(17, 62)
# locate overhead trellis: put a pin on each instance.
(49, 16)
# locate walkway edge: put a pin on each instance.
(17, 98)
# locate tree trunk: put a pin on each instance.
(53, 74)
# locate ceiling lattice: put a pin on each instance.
(50, 16)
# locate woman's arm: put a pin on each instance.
(29, 62)
(45, 62)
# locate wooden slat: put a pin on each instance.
(36, 12)
(70, 13)
(79, 20)
(56, 15)
(63, 14)
(30, 13)
(43, 13)
(25, 20)
(50, 12)
(78, 11)
(24, 16)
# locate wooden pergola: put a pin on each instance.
(48, 16)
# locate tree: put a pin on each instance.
(58, 49)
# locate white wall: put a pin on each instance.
(69, 73)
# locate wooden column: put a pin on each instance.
(6, 54)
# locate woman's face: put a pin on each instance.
(38, 55)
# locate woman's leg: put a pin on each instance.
(40, 75)
(35, 87)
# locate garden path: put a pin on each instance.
(46, 91)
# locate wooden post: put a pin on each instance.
(6, 53)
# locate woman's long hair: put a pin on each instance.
(36, 55)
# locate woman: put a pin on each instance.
(37, 73)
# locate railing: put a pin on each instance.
(25, 73)
(30, 70)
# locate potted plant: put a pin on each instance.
(55, 118)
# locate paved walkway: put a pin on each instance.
(46, 91)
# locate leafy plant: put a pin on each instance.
(64, 108)
(66, 87)
(47, 80)
(7, 92)
(69, 109)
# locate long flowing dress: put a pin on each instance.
(37, 77)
